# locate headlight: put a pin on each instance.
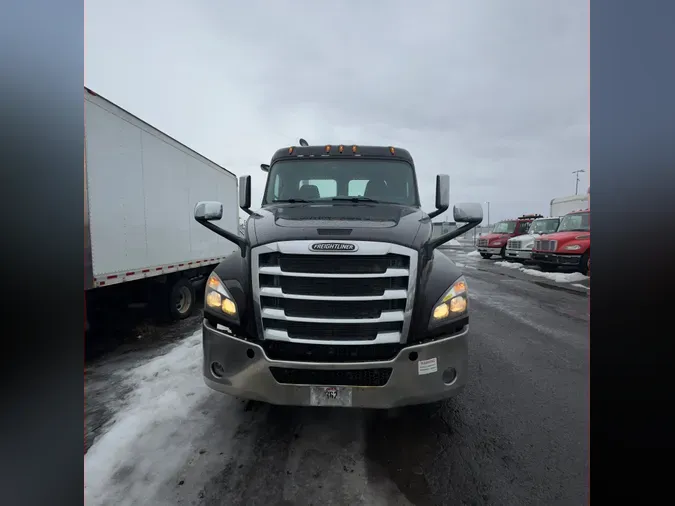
(454, 303)
(572, 247)
(218, 298)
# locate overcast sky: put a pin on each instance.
(494, 93)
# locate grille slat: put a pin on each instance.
(332, 331)
(332, 377)
(335, 264)
(333, 309)
(343, 287)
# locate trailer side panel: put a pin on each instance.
(142, 187)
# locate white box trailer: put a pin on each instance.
(141, 187)
(562, 205)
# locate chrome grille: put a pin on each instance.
(514, 245)
(545, 245)
(482, 242)
(356, 297)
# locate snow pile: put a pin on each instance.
(509, 265)
(473, 253)
(452, 243)
(149, 439)
(558, 277)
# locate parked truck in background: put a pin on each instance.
(494, 243)
(141, 243)
(519, 248)
(338, 295)
(560, 206)
(569, 247)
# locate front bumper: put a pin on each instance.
(519, 254)
(246, 373)
(556, 259)
(489, 251)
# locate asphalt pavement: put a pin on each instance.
(517, 435)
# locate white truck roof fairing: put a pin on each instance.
(561, 206)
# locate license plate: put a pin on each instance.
(330, 396)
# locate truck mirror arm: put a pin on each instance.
(236, 239)
(438, 211)
(435, 243)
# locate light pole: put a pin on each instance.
(488, 213)
(576, 187)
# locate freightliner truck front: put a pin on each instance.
(337, 294)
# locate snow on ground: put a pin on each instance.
(473, 253)
(509, 265)
(149, 437)
(558, 277)
(454, 242)
(581, 286)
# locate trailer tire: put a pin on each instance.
(181, 299)
(486, 255)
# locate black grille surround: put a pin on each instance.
(359, 295)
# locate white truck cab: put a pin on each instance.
(519, 248)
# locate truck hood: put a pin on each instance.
(565, 237)
(524, 239)
(492, 237)
(529, 237)
(344, 221)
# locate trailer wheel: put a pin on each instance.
(486, 255)
(181, 299)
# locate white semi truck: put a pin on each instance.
(140, 189)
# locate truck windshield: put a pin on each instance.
(544, 226)
(575, 222)
(504, 227)
(311, 180)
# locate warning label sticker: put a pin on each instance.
(427, 366)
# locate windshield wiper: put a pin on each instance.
(356, 199)
(291, 201)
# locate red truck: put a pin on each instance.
(569, 247)
(494, 243)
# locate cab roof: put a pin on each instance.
(342, 151)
